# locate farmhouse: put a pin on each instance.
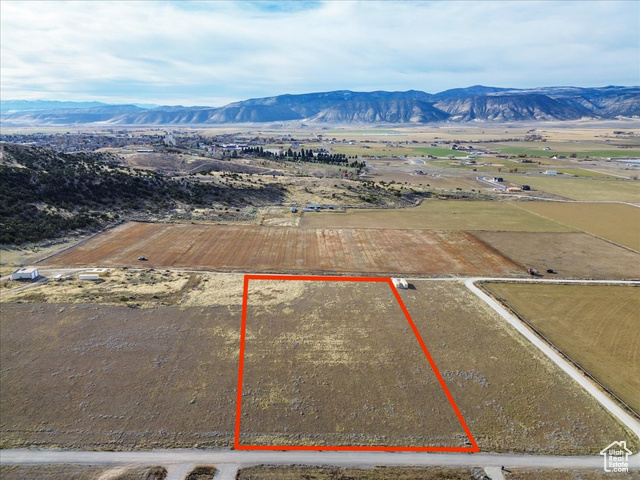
(25, 274)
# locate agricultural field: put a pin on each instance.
(582, 149)
(597, 326)
(587, 189)
(287, 249)
(295, 472)
(569, 255)
(617, 223)
(440, 215)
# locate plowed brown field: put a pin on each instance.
(289, 249)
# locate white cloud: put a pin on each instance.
(210, 52)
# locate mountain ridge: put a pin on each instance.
(471, 104)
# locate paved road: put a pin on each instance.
(234, 458)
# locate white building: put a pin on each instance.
(400, 283)
(89, 276)
(25, 274)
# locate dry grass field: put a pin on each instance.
(615, 222)
(142, 288)
(586, 189)
(544, 474)
(569, 255)
(268, 472)
(440, 215)
(102, 377)
(80, 472)
(597, 326)
(326, 344)
(509, 393)
(286, 249)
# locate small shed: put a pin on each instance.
(400, 283)
(89, 276)
(25, 274)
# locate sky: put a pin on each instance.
(215, 52)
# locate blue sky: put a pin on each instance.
(212, 53)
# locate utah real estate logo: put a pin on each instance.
(616, 457)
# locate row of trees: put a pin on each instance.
(307, 156)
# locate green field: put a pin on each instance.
(585, 173)
(588, 149)
(597, 326)
(616, 222)
(441, 215)
(582, 188)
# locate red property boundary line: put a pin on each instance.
(474, 446)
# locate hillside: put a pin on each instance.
(45, 194)
(473, 104)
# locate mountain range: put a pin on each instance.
(472, 104)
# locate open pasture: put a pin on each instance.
(298, 472)
(80, 472)
(301, 352)
(508, 392)
(306, 351)
(557, 474)
(569, 255)
(617, 223)
(287, 249)
(97, 376)
(597, 326)
(440, 215)
(585, 189)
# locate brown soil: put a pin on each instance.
(570, 255)
(202, 473)
(287, 249)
